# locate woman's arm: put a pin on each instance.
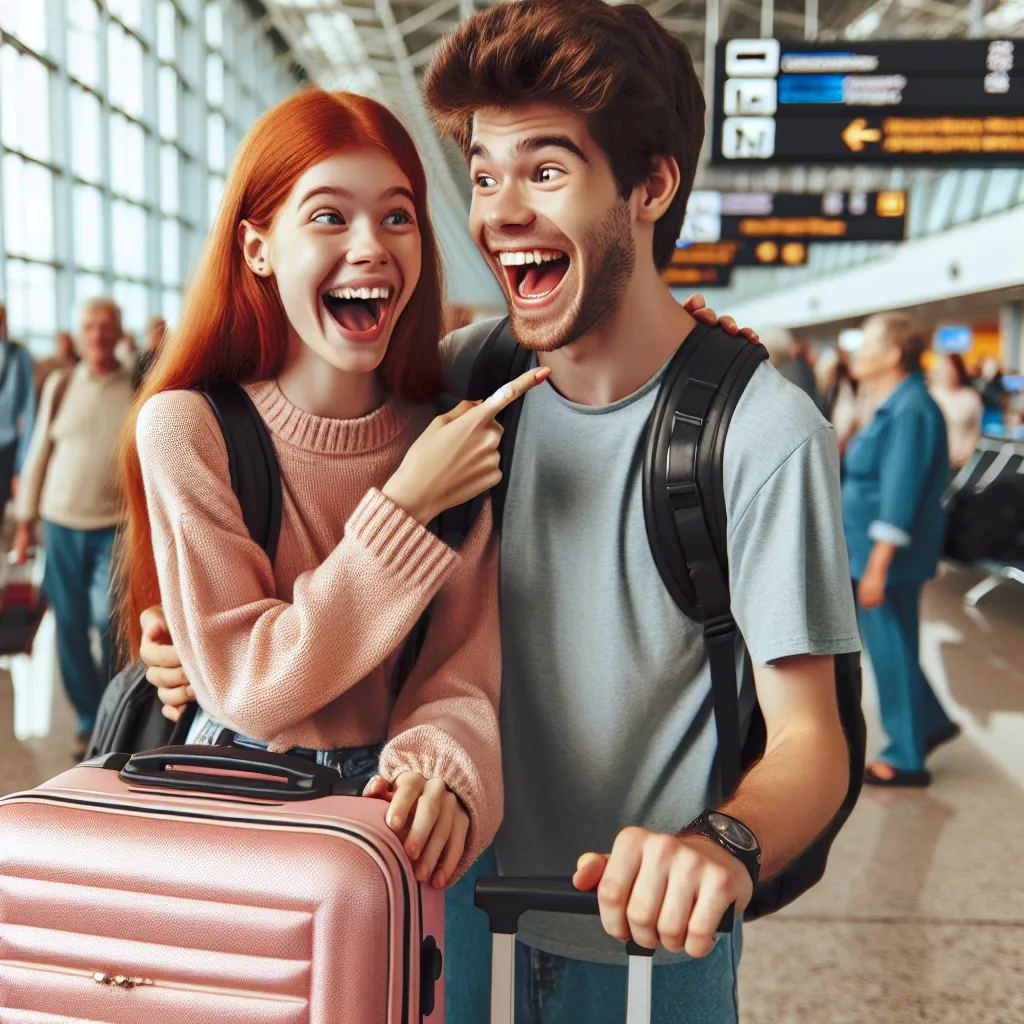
(258, 664)
(445, 721)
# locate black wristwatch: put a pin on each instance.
(730, 834)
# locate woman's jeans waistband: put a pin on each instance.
(350, 762)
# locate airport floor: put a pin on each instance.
(920, 919)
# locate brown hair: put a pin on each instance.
(632, 79)
(905, 334)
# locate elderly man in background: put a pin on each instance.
(17, 409)
(69, 482)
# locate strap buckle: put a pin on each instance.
(683, 495)
(720, 628)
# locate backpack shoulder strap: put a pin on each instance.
(500, 360)
(684, 506)
(255, 475)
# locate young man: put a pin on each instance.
(582, 123)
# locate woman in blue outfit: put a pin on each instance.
(895, 472)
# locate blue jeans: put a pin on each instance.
(77, 585)
(556, 990)
(909, 708)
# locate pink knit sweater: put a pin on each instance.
(302, 652)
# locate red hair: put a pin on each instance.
(232, 325)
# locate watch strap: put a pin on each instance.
(750, 859)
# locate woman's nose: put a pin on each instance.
(366, 246)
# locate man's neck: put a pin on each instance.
(882, 387)
(618, 358)
(103, 369)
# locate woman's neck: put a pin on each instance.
(314, 386)
(882, 386)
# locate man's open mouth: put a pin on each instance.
(534, 273)
(358, 309)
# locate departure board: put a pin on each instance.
(768, 252)
(949, 102)
(697, 277)
(805, 217)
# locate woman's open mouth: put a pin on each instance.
(534, 274)
(359, 311)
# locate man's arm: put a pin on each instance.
(789, 797)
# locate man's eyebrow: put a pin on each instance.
(532, 143)
(344, 193)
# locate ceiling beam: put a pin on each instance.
(426, 16)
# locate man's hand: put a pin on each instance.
(22, 542)
(662, 888)
(439, 826)
(694, 305)
(164, 669)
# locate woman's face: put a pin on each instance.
(876, 356)
(944, 374)
(345, 250)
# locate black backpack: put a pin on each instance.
(684, 510)
(129, 718)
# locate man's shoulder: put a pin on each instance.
(459, 351)
(773, 419)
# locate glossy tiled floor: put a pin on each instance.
(921, 917)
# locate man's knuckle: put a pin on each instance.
(610, 891)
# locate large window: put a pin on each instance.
(112, 168)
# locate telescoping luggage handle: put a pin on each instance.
(505, 900)
(234, 771)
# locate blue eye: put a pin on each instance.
(403, 218)
(329, 217)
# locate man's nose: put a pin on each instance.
(508, 207)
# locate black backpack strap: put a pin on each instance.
(684, 508)
(501, 359)
(255, 475)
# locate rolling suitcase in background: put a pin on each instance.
(211, 885)
(505, 900)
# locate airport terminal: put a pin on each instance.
(316, 707)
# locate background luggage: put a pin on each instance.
(684, 511)
(985, 505)
(22, 604)
(211, 885)
(505, 900)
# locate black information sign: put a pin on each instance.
(804, 217)
(768, 252)
(950, 102)
(697, 277)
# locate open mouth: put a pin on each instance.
(358, 310)
(534, 273)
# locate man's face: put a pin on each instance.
(549, 220)
(99, 334)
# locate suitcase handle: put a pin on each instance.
(505, 900)
(290, 778)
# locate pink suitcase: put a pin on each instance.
(211, 885)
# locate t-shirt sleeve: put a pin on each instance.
(789, 571)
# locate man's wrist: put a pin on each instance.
(731, 835)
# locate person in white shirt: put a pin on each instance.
(961, 406)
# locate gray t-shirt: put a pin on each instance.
(606, 710)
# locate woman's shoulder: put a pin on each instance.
(178, 423)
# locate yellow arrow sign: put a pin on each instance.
(857, 133)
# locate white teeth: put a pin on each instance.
(360, 293)
(523, 256)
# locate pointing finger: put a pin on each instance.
(505, 396)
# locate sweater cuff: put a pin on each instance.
(434, 754)
(408, 550)
(888, 534)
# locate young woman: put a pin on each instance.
(961, 405)
(320, 291)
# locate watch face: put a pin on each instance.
(733, 832)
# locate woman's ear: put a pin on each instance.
(658, 189)
(256, 249)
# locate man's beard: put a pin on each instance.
(610, 255)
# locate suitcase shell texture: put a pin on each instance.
(130, 905)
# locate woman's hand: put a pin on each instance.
(456, 457)
(694, 305)
(871, 589)
(439, 825)
(163, 666)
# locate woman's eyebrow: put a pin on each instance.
(344, 193)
